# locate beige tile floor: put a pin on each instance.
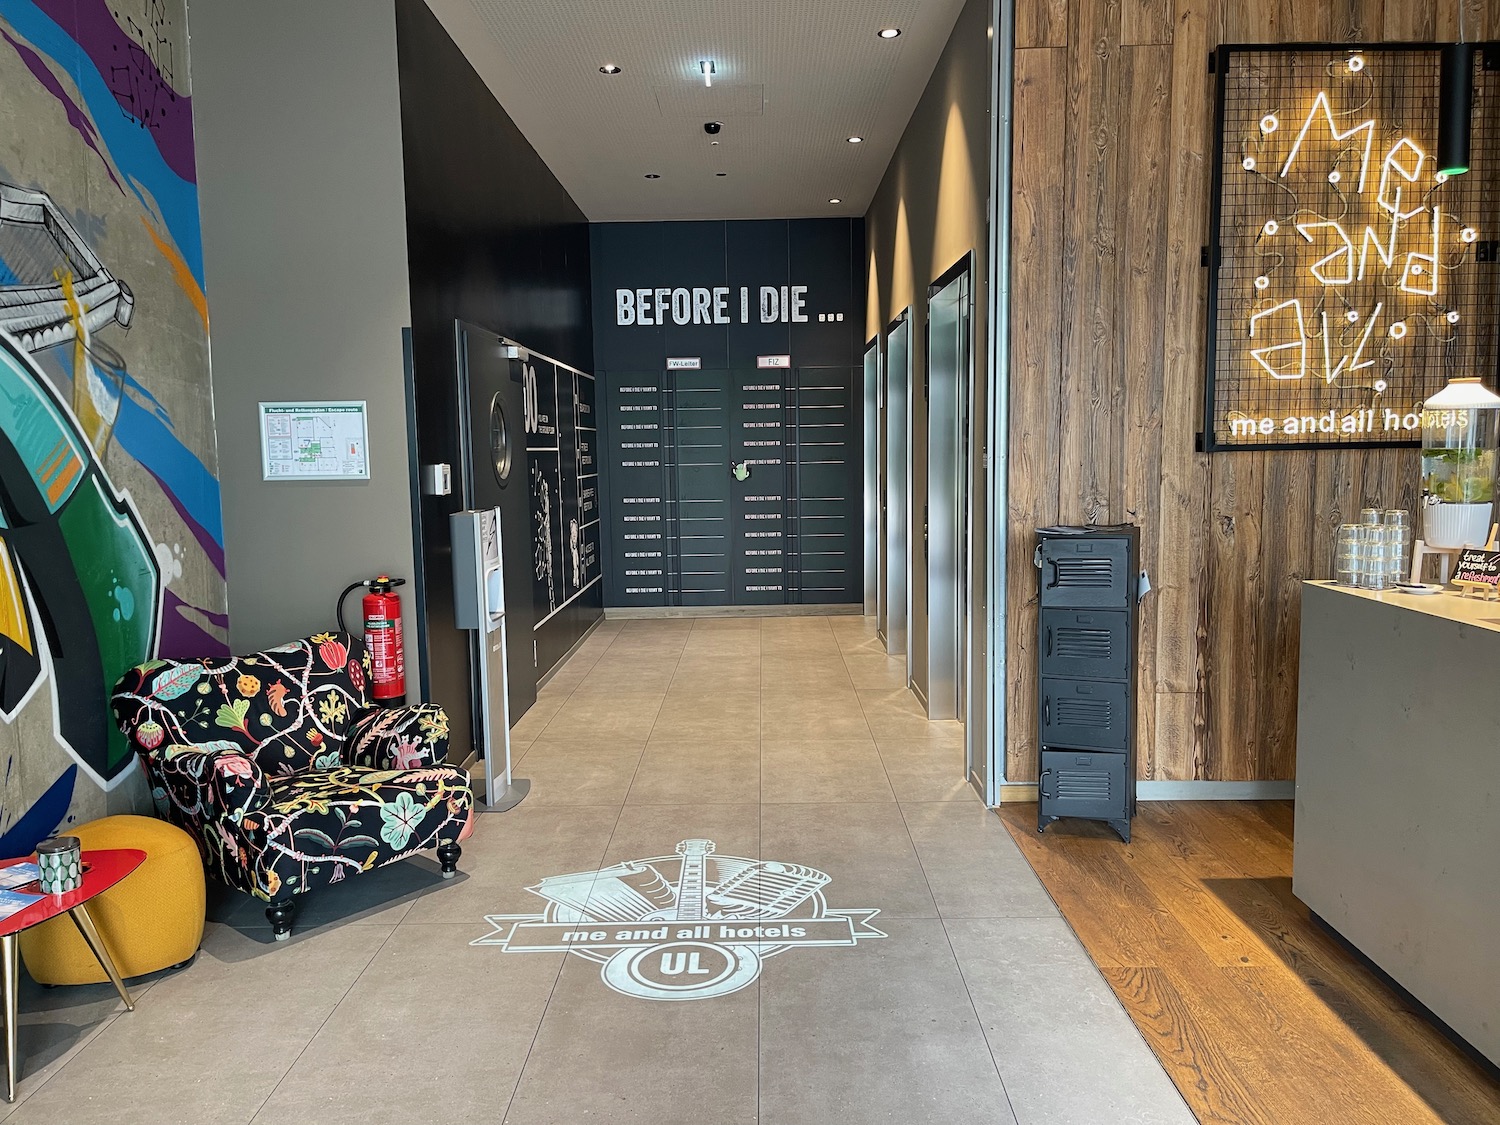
(791, 740)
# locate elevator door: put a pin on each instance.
(872, 482)
(948, 379)
(880, 439)
(898, 489)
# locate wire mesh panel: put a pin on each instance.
(1349, 278)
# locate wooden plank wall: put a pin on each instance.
(1113, 136)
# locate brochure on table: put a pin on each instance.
(12, 900)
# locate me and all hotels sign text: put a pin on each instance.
(771, 304)
(1368, 421)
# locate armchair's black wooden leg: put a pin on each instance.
(448, 856)
(279, 913)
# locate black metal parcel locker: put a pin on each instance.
(1089, 632)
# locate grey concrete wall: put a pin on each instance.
(304, 227)
(930, 210)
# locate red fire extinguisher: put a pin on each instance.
(382, 617)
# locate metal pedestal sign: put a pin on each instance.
(479, 605)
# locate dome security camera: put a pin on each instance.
(712, 127)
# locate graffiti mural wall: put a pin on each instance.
(111, 546)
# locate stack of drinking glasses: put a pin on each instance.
(1372, 553)
(1396, 523)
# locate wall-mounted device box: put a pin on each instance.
(437, 480)
(478, 588)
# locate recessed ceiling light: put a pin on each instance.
(609, 68)
(856, 140)
(835, 199)
(713, 142)
(652, 176)
(709, 70)
(888, 32)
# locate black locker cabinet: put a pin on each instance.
(1086, 707)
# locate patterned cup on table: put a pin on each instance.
(60, 861)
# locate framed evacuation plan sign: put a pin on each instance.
(1348, 277)
(314, 441)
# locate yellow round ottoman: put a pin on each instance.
(150, 921)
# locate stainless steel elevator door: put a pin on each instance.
(949, 375)
(898, 489)
(872, 480)
(882, 521)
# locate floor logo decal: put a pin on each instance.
(688, 926)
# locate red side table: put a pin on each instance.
(101, 870)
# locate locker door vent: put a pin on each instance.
(1075, 712)
(1083, 644)
(1084, 574)
(1082, 785)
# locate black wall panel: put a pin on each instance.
(680, 527)
(495, 240)
(563, 489)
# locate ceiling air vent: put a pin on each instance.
(716, 103)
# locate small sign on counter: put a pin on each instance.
(1478, 572)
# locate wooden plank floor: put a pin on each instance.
(1258, 1014)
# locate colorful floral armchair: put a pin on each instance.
(286, 773)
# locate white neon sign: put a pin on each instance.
(1403, 243)
(1321, 104)
(1262, 354)
(1346, 251)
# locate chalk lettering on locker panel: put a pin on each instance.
(542, 448)
(824, 527)
(583, 530)
(760, 498)
(638, 495)
(699, 409)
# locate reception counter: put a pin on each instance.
(1398, 804)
